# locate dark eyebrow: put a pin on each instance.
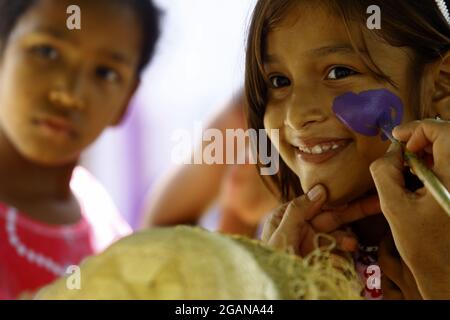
(61, 35)
(268, 58)
(327, 50)
(117, 57)
(53, 32)
(320, 52)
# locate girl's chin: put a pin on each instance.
(48, 159)
(337, 202)
(338, 196)
(343, 200)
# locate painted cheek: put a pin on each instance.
(370, 111)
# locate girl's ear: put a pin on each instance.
(440, 104)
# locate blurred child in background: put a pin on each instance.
(59, 89)
(242, 198)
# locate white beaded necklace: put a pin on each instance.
(29, 254)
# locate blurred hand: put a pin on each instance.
(397, 281)
(297, 223)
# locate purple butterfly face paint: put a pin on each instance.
(370, 111)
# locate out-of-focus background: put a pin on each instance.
(198, 67)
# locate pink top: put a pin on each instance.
(33, 254)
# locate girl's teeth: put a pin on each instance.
(319, 149)
(305, 149)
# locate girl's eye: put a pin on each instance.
(279, 81)
(46, 52)
(107, 74)
(339, 73)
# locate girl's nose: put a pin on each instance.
(70, 89)
(303, 111)
(66, 99)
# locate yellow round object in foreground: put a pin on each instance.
(192, 263)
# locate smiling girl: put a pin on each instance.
(301, 56)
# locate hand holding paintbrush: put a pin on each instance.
(419, 225)
(425, 174)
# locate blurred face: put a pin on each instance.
(309, 62)
(60, 88)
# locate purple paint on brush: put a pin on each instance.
(368, 112)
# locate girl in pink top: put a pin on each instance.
(59, 89)
(34, 253)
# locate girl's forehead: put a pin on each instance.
(308, 26)
(309, 12)
(305, 31)
(105, 27)
(308, 34)
(92, 13)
